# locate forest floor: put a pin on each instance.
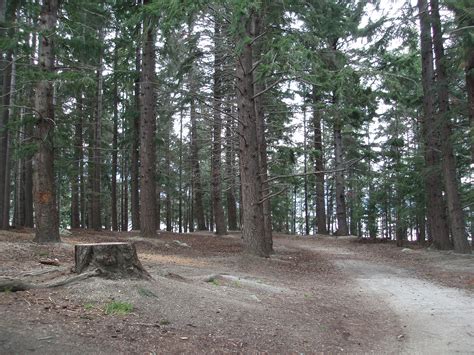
(315, 294)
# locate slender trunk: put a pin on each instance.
(230, 175)
(217, 204)
(253, 230)
(78, 155)
(147, 134)
(198, 209)
(435, 203)
(115, 144)
(5, 140)
(95, 218)
(305, 170)
(134, 183)
(455, 212)
(124, 223)
(47, 221)
(341, 213)
(319, 165)
(180, 196)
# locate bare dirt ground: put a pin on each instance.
(314, 295)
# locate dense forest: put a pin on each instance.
(303, 117)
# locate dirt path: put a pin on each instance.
(436, 319)
(313, 295)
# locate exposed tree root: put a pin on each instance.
(14, 285)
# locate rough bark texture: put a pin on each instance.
(147, 136)
(134, 163)
(257, 23)
(47, 224)
(217, 205)
(115, 147)
(109, 260)
(124, 196)
(198, 206)
(5, 139)
(96, 211)
(253, 230)
(341, 213)
(230, 175)
(453, 200)
(319, 166)
(78, 156)
(435, 206)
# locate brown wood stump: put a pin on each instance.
(110, 260)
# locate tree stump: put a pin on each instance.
(110, 260)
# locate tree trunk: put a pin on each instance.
(95, 218)
(115, 144)
(341, 213)
(253, 230)
(109, 260)
(198, 209)
(319, 165)
(455, 212)
(78, 156)
(217, 204)
(134, 161)
(147, 134)
(124, 207)
(47, 221)
(5, 141)
(436, 214)
(230, 174)
(257, 24)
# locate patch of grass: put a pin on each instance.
(118, 308)
(307, 295)
(146, 293)
(89, 306)
(214, 282)
(43, 253)
(165, 321)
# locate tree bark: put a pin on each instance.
(78, 156)
(217, 204)
(253, 230)
(134, 161)
(198, 209)
(436, 214)
(115, 143)
(319, 165)
(455, 212)
(147, 134)
(47, 219)
(341, 213)
(257, 24)
(230, 175)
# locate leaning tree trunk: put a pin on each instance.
(253, 230)
(148, 221)
(455, 212)
(47, 224)
(435, 204)
(319, 165)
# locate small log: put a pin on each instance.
(110, 260)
